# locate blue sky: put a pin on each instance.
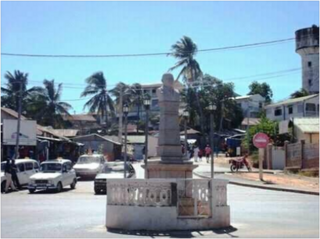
(147, 27)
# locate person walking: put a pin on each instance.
(200, 154)
(9, 182)
(196, 153)
(208, 152)
(14, 176)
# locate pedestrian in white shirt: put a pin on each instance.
(195, 154)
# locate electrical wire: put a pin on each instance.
(146, 54)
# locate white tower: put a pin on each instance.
(307, 46)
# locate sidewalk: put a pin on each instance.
(273, 179)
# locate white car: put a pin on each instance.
(88, 165)
(111, 170)
(25, 169)
(54, 174)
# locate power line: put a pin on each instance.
(146, 54)
(257, 77)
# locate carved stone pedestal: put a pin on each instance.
(159, 169)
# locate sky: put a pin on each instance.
(152, 27)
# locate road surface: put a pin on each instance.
(79, 213)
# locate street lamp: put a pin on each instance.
(146, 103)
(125, 112)
(212, 108)
(185, 116)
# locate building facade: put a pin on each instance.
(307, 106)
(251, 105)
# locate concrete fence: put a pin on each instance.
(298, 155)
(302, 155)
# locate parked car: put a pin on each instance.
(111, 170)
(25, 169)
(54, 174)
(88, 165)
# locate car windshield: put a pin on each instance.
(50, 167)
(86, 160)
(112, 168)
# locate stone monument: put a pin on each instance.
(173, 164)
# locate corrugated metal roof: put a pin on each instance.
(252, 121)
(291, 101)
(80, 117)
(65, 132)
(136, 139)
(97, 135)
(12, 113)
(307, 125)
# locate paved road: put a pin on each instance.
(79, 213)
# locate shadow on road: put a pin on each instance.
(52, 191)
(176, 234)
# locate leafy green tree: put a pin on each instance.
(265, 126)
(48, 105)
(299, 93)
(101, 101)
(261, 88)
(228, 114)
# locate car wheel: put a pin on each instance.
(73, 184)
(3, 186)
(59, 187)
(32, 190)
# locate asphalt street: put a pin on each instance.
(79, 213)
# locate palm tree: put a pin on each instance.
(185, 50)
(137, 98)
(11, 93)
(299, 93)
(101, 100)
(50, 108)
(122, 95)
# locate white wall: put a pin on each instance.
(299, 110)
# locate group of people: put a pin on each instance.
(12, 180)
(197, 153)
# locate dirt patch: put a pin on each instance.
(284, 180)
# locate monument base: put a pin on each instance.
(159, 169)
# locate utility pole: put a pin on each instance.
(18, 123)
(120, 115)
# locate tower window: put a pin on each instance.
(310, 82)
(309, 63)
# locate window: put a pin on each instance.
(300, 108)
(21, 167)
(309, 63)
(310, 82)
(278, 111)
(310, 107)
(155, 103)
(68, 166)
(290, 109)
(260, 105)
(154, 91)
(29, 166)
(35, 165)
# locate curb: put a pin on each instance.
(266, 187)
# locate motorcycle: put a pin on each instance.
(237, 164)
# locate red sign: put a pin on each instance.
(260, 140)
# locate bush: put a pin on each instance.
(254, 158)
